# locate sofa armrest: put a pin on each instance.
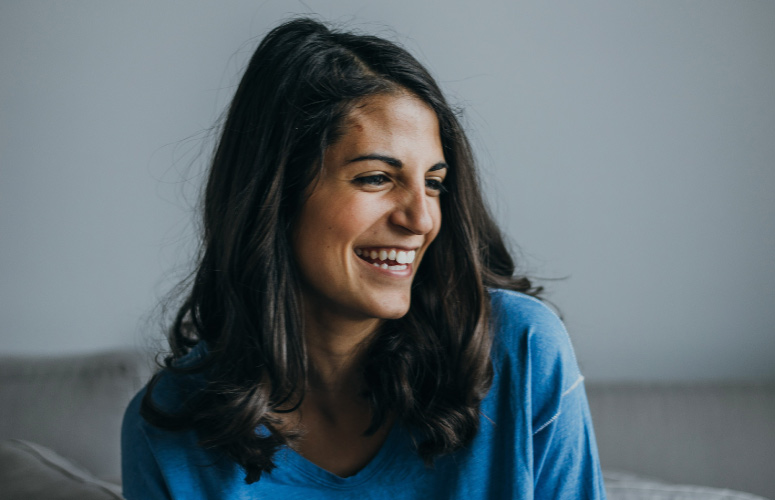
(720, 435)
(72, 404)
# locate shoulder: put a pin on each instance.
(158, 462)
(167, 392)
(531, 346)
(171, 389)
(519, 320)
(515, 311)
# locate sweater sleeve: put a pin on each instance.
(142, 478)
(535, 350)
(565, 458)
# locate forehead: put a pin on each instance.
(389, 119)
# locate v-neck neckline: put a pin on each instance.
(321, 476)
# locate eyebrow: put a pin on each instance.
(394, 162)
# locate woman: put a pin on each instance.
(354, 328)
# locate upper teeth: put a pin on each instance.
(405, 257)
(400, 256)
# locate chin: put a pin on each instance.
(397, 314)
(395, 309)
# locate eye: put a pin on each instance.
(436, 184)
(371, 180)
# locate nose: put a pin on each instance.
(414, 210)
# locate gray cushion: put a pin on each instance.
(72, 404)
(624, 486)
(33, 472)
(714, 434)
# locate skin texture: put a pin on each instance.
(366, 203)
(363, 199)
(350, 208)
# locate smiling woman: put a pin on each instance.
(376, 200)
(354, 327)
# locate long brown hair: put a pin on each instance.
(430, 368)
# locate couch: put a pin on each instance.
(60, 419)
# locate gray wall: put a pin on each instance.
(628, 147)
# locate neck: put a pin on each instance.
(336, 347)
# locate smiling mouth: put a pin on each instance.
(393, 259)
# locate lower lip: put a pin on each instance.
(403, 273)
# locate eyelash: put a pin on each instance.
(380, 179)
(436, 185)
(371, 180)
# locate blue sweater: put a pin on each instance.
(535, 438)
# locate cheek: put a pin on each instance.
(308, 235)
(436, 220)
(355, 218)
(329, 234)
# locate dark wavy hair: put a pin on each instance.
(430, 368)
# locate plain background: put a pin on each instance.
(626, 147)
